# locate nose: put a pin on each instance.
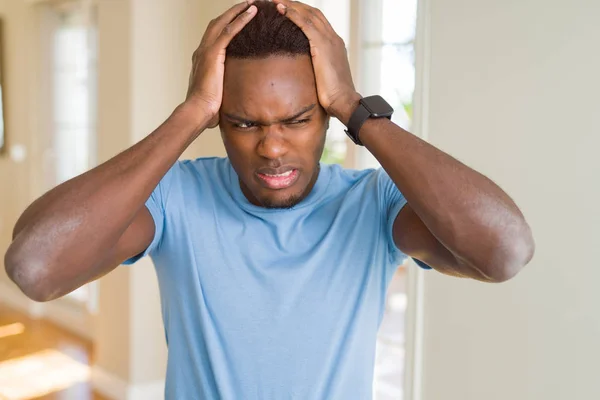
(272, 144)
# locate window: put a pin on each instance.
(384, 46)
(387, 59)
(74, 92)
(73, 64)
(387, 49)
(338, 14)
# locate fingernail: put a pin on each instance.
(250, 9)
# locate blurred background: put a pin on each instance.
(510, 88)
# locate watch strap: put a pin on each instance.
(357, 120)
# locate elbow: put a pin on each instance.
(504, 272)
(28, 274)
(515, 254)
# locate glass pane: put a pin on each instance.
(393, 76)
(73, 115)
(74, 100)
(398, 81)
(388, 380)
(338, 14)
(397, 51)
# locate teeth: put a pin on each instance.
(281, 175)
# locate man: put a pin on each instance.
(272, 267)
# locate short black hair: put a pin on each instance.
(268, 34)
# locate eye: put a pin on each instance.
(244, 125)
(299, 122)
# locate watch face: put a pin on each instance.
(377, 106)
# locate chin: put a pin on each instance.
(281, 198)
(261, 195)
(283, 203)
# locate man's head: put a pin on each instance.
(272, 124)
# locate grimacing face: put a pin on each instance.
(273, 127)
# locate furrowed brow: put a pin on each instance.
(238, 118)
(298, 114)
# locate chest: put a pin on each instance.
(281, 263)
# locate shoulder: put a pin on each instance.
(201, 182)
(349, 176)
(374, 180)
(203, 164)
(367, 182)
(202, 169)
(195, 175)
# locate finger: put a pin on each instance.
(323, 25)
(217, 25)
(301, 16)
(315, 12)
(302, 7)
(286, 3)
(232, 29)
(319, 14)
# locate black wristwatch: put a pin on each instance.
(368, 107)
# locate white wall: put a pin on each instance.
(514, 91)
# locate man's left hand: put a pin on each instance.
(335, 88)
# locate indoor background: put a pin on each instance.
(511, 88)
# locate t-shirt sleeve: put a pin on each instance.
(156, 205)
(392, 201)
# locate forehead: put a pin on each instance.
(268, 88)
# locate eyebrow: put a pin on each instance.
(288, 119)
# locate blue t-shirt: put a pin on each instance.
(272, 303)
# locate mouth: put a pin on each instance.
(278, 180)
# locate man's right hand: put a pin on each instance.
(205, 89)
(84, 228)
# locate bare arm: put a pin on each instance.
(457, 220)
(85, 227)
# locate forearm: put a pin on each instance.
(88, 214)
(462, 210)
(469, 214)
